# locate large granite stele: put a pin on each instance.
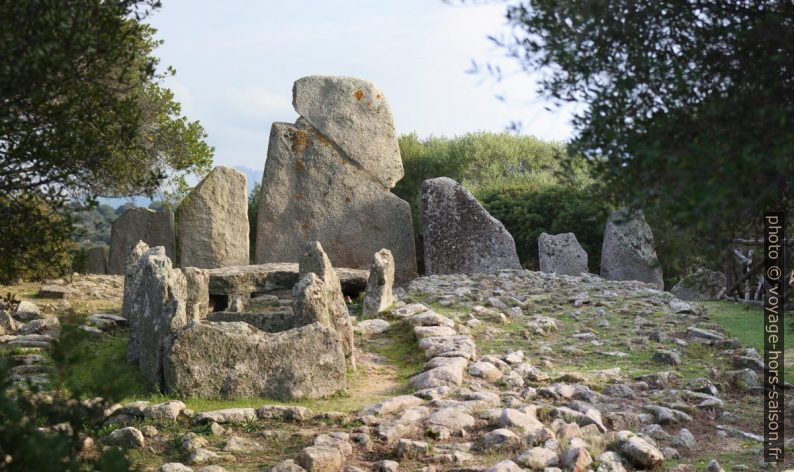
(328, 177)
(155, 228)
(460, 236)
(628, 252)
(213, 221)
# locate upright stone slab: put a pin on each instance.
(314, 260)
(213, 221)
(96, 260)
(198, 293)
(378, 295)
(163, 291)
(460, 236)
(155, 228)
(132, 303)
(327, 179)
(561, 254)
(628, 252)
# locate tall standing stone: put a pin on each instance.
(628, 252)
(213, 221)
(96, 260)
(460, 236)
(155, 228)
(378, 295)
(132, 303)
(163, 293)
(561, 254)
(328, 178)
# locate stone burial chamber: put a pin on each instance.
(293, 352)
(328, 177)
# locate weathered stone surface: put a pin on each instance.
(128, 437)
(703, 284)
(198, 298)
(7, 322)
(263, 278)
(131, 304)
(227, 416)
(96, 259)
(641, 453)
(372, 327)
(57, 292)
(155, 228)
(459, 234)
(378, 295)
(354, 116)
(213, 221)
(237, 360)
(561, 254)
(325, 301)
(320, 459)
(163, 296)
(329, 181)
(27, 310)
(628, 252)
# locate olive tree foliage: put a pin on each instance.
(686, 108)
(83, 113)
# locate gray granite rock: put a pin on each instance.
(213, 221)
(155, 228)
(460, 236)
(628, 252)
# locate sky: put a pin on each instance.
(236, 62)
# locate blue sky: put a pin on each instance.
(236, 62)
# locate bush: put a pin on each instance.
(35, 242)
(487, 163)
(527, 212)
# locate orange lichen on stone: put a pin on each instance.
(298, 197)
(358, 94)
(304, 226)
(299, 165)
(300, 141)
(322, 139)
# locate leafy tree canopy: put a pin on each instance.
(83, 110)
(687, 106)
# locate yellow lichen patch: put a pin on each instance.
(358, 94)
(299, 165)
(300, 141)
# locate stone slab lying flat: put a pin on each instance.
(261, 278)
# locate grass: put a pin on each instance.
(746, 323)
(398, 346)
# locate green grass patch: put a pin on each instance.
(96, 365)
(399, 346)
(744, 322)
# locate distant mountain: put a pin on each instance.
(254, 176)
(117, 202)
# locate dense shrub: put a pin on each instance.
(477, 160)
(527, 212)
(35, 242)
(487, 164)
